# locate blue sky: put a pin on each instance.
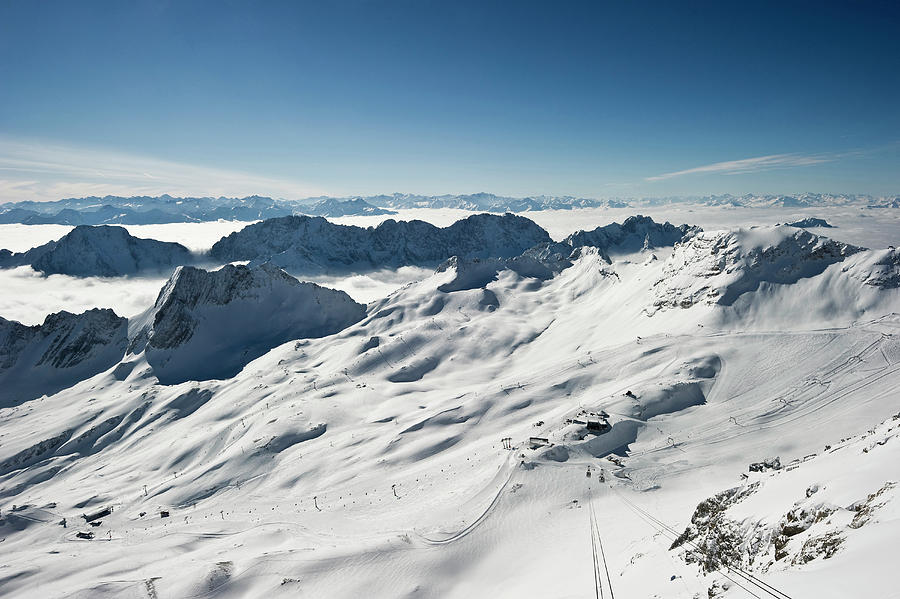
(595, 99)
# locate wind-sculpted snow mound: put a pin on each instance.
(65, 349)
(717, 267)
(102, 251)
(209, 325)
(312, 244)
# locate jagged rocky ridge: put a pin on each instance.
(105, 251)
(711, 268)
(635, 234)
(312, 244)
(210, 324)
(717, 267)
(65, 349)
(545, 260)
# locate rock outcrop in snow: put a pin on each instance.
(312, 244)
(103, 251)
(717, 267)
(808, 513)
(210, 324)
(65, 349)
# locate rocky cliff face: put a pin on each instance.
(103, 251)
(66, 348)
(210, 324)
(312, 244)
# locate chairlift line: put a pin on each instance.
(598, 588)
(597, 541)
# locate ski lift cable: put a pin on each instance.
(764, 586)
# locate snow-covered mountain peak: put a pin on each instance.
(209, 324)
(103, 250)
(189, 286)
(716, 267)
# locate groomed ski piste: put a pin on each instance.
(439, 447)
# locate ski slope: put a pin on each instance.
(371, 462)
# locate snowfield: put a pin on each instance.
(477, 430)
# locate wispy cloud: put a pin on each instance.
(35, 170)
(751, 165)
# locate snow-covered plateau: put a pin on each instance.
(555, 407)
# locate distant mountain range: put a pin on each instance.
(803, 200)
(143, 210)
(488, 202)
(333, 208)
